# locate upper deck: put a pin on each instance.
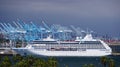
(68, 45)
(86, 43)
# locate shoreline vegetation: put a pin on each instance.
(32, 61)
(26, 61)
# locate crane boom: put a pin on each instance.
(46, 25)
(16, 24)
(4, 27)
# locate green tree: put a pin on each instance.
(52, 62)
(91, 65)
(6, 59)
(88, 65)
(85, 65)
(17, 58)
(104, 61)
(30, 59)
(0, 58)
(39, 63)
(111, 63)
(22, 63)
(66, 65)
(6, 62)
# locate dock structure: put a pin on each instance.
(7, 51)
(116, 54)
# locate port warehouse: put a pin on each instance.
(20, 30)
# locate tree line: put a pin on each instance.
(30, 61)
(27, 61)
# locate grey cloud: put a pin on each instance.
(74, 7)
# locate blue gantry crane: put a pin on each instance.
(31, 31)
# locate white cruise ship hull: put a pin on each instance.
(89, 52)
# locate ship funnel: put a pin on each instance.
(88, 37)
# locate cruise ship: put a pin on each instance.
(80, 47)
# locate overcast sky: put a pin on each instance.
(102, 16)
